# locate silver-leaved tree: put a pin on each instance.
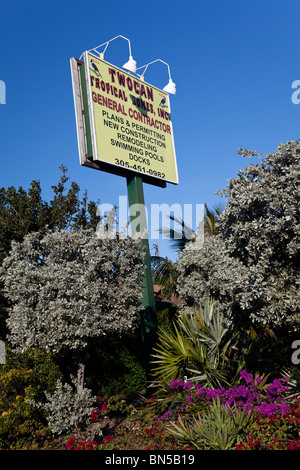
(252, 267)
(68, 288)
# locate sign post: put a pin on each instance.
(124, 127)
(148, 316)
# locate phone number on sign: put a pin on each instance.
(139, 168)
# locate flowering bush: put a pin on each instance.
(80, 444)
(234, 417)
(239, 418)
(275, 431)
(252, 415)
(113, 407)
(249, 396)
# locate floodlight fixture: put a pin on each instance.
(170, 87)
(130, 65)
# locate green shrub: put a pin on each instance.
(42, 371)
(198, 347)
(20, 424)
(23, 378)
(221, 428)
(67, 410)
(116, 366)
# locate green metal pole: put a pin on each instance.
(148, 312)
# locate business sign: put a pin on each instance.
(123, 123)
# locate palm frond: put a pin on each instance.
(293, 375)
(181, 236)
(195, 348)
(220, 428)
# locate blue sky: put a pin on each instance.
(233, 63)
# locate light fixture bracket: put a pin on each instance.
(130, 64)
(170, 87)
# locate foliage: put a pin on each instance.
(116, 366)
(19, 423)
(279, 431)
(113, 407)
(23, 212)
(252, 266)
(207, 269)
(196, 347)
(221, 428)
(208, 418)
(211, 220)
(166, 314)
(293, 373)
(74, 443)
(250, 393)
(255, 414)
(181, 236)
(70, 291)
(36, 365)
(143, 435)
(139, 435)
(67, 210)
(67, 410)
(23, 378)
(69, 288)
(165, 273)
(264, 349)
(229, 414)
